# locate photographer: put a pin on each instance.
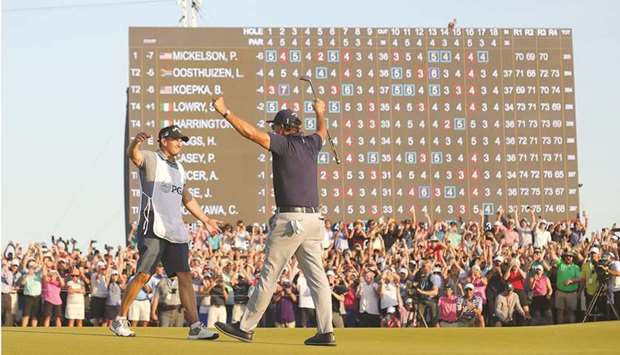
(170, 311)
(589, 277)
(424, 290)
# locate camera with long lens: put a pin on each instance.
(602, 270)
(412, 291)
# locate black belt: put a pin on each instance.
(297, 210)
(163, 307)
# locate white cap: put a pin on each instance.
(615, 237)
(15, 262)
(595, 250)
(539, 267)
(469, 286)
(100, 264)
(331, 272)
(391, 310)
(403, 270)
(114, 272)
(498, 258)
(475, 268)
(436, 269)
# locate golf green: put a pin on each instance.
(590, 338)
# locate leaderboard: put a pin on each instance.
(454, 122)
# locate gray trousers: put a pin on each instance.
(171, 318)
(282, 243)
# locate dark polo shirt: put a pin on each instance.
(295, 180)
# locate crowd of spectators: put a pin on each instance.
(502, 270)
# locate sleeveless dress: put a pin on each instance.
(75, 301)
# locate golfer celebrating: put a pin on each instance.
(296, 227)
(161, 232)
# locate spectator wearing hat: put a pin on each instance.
(505, 306)
(589, 278)
(447, 309)
(568, 276)
(541, 296)
(52, 303)
(368, 295)
(469, 309)
(74, 310)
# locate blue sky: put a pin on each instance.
(64, 72)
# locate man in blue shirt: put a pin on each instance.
(297, 227)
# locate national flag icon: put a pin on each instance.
(165, 56)
(166, 107)
(165, 90)
(165, 72)
(165, 123)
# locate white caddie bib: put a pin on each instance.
(166, 202)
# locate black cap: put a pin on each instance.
(172, 132)
(287, 118)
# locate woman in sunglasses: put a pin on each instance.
(74, 312)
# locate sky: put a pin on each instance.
(64, 72)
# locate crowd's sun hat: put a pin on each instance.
(594, 250)
(498, 258)
(539, 267)
(331, 272)
(469, 286)
(172, 132)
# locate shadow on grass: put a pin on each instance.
(219, 340)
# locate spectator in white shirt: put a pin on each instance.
(368, 295)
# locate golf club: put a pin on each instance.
(329, 137)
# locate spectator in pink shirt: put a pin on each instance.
(52, 283)
(447, 309)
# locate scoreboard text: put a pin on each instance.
(454, 122)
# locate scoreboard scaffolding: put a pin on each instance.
(453, 122)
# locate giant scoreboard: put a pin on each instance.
(451, 121)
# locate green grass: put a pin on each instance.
(590, 338)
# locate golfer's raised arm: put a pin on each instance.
(133, 152)
(321, 126)
(244, 128)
